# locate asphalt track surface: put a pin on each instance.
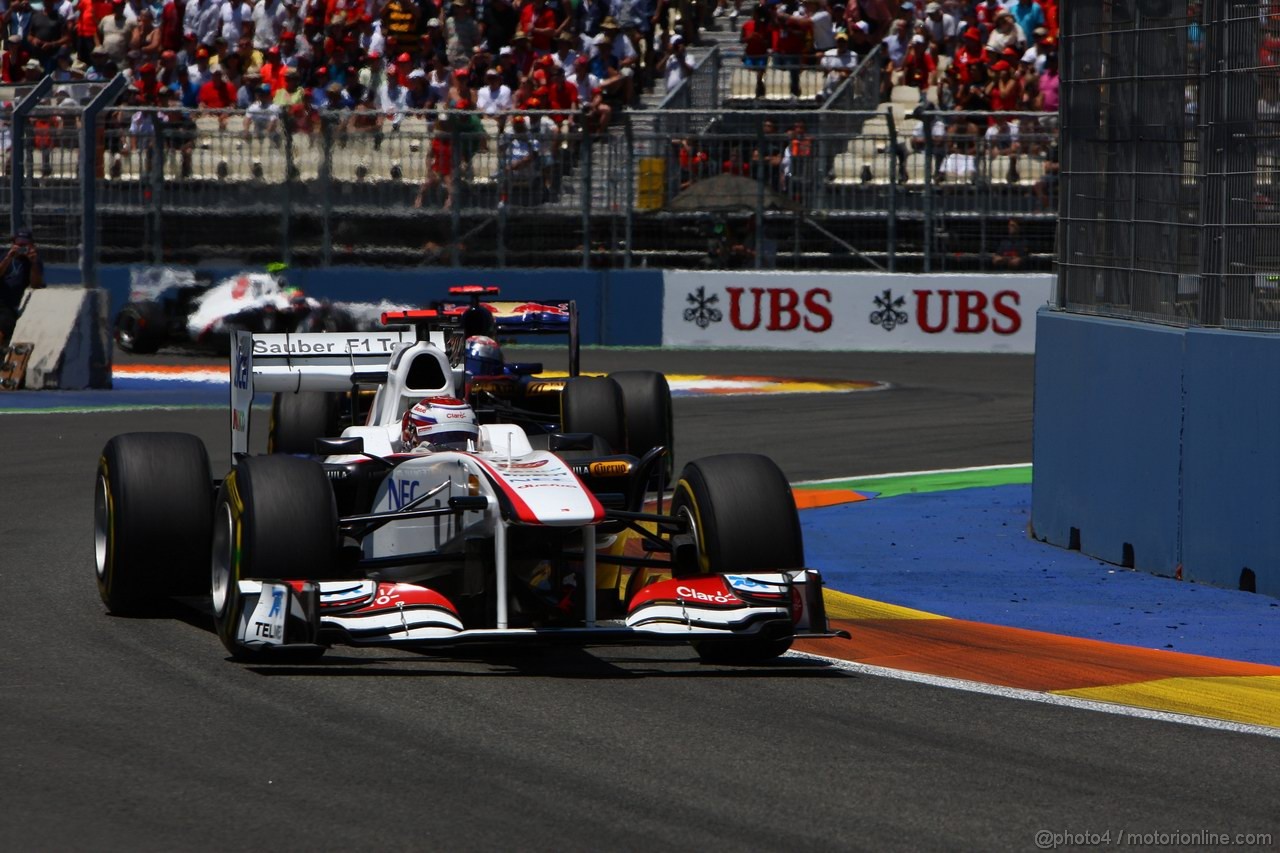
(122, 734)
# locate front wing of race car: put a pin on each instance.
(366, 613)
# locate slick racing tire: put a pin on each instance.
(646, 406)
(274, 518)
(743, 518)
(140, 328)
(594, 404)
(152, 513)
(299, 418)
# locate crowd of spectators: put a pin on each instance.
(361, 65)
(962, 57)
(540, 69)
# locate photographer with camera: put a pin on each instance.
(20, 268)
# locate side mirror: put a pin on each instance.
(353, 446)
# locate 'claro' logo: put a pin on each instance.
(699, 595)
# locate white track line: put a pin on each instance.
(1042, 697)
(913, 473)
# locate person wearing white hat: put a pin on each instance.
(676, 66)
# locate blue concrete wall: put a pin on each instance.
(618, 308)
(1231, 459)
(1164, 438)
(1106, 439)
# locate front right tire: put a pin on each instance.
(743, 518)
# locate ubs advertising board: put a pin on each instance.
(859, 311)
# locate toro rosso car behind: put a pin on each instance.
(423, 527)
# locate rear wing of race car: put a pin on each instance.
(322, 361)
(517, 318)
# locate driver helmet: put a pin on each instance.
(482, 356)
(439, 423)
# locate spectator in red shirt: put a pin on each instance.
(788, 53)
(757, 37)
(969, 52)
(559, 96)
(919, 66)
(439, 164)
(1006, 94)
(90, 12)
(272, 69)
(147, 85)
(217, 94)
(736, 165)
(539, 21)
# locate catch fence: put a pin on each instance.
(895, 189)
(1171, 131)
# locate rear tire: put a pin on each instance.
(744, 519)
(140, 328)
(153, 512)
(280, 512)
(646, 406)
(594, 404)
(299, 418)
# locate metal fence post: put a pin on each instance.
(629, 139)
(760, 179)
(587, 159)
(156, 177)
(455, 198)
(929, 165)
(89, 153)
(18, 130)
(286, 206)
(325, 181)
(715, 77)
(897, 162)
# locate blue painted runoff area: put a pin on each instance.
(616, 307)
(967, 554)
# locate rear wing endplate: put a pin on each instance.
(323, 361)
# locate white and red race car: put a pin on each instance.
(368, 543)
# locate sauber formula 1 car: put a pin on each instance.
(375, 542)
(172, 307)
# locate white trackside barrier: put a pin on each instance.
(69, 330)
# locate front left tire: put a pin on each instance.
(743, 517)
(153, 509)
(274, 518)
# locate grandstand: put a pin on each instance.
(891, 170)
